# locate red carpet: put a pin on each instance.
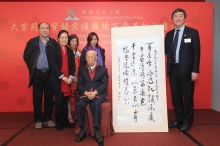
(17, 129)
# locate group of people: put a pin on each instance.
(52, 68)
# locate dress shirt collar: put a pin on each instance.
(181, 28)
(93, 67)
(41, 39)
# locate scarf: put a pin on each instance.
(65, 88)
(91, 73)
(99, 60)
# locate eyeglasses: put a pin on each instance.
(63, 38)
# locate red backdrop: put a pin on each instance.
(18, 23)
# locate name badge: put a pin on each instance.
(187, 40)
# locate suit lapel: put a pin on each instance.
(171, 40)
(96, 72)
(172, 35)
(185, 31)
(86, 72)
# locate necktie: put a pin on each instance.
(174, 46)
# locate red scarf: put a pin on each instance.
(65, 88)
(91, 73)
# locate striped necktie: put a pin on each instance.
(174, 46)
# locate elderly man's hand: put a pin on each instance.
(93, 94)
(88, 95)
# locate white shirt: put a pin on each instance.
(179, 42)
(92, 67)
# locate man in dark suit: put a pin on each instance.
(182, 46)
(36, 59)
(92, 85)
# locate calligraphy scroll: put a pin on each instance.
(138, 72)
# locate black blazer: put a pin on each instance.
(55, 61)
(83, 57)
(99, 83)
(189, 55)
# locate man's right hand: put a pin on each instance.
(90, 95)
(87, 94)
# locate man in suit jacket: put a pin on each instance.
(92, 85)
(183, 58)
(36, 59)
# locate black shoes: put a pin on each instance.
(175, 124)
(66, 124)
(81, 136)
(182, 127)
(98, 137)
(185, 127)
(59, 125)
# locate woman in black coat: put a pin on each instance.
(62, 65)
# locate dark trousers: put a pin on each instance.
(42, 86)
(61, 102)
(182, 91)
(95, 106)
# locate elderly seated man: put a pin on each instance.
(92, 85)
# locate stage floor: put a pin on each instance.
(17, 129)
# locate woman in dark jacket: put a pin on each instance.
(92, 44)
(62, 64)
